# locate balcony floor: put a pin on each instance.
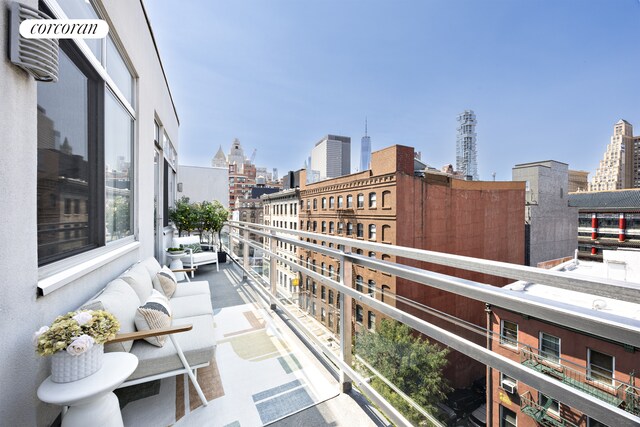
(262, 374)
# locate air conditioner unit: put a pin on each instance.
(509, 386)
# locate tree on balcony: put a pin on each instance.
(411, 363)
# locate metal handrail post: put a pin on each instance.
(272, 269)
(346, 315)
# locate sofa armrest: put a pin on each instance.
(150, 333)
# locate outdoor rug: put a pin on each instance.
(259, 375)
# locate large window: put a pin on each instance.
(361, 200)
(372, 232)
(68, 160)
(509, 333)
(372, 200)
(360, 230)
(349, 201)
(554, 406)
(118, 174)
(85, 148)
(601, 367)
(550, 347)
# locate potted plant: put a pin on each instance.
(184, 216)
(176, 251)
(212, 218)
(76, 343)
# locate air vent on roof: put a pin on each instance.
(38, 57)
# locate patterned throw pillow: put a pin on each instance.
(167, 280)
(195, 246)
(154, 314)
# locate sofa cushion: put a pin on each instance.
(191, 305)
(167, 281)
(152, 265)
(138, 278)
(154, 314)
(201, 257)
(119, 299)
(198, 346)
(200, 287)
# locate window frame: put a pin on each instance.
(504, 339)
(590, 370)
(554, 359)
(373, 200)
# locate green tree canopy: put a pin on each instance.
(411, 363)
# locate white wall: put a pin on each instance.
(204, 183)
(21, 309)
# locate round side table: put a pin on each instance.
(176, 264)
(91, 400)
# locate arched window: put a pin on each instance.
(372, 288)
(331, 230)
(349, 229)
(372, 232)
(332, 202)
(386, 199)
(349, 201)
(315, 226)
(361, 200)
(385, 290)
(322, 268)
(315, 204)
(386, 233)
(340, 226)
(324, 226)
(372, 200)
(359, 313)
(331, 271)
(340, 206)
(359, 283)
(360, 230)
(324, 203)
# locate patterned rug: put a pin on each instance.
(259, 375)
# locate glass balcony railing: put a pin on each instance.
(322, 285)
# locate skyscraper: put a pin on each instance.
(365, 150)
(466, 152)
(331, 156)
(618, 168)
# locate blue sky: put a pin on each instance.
(547, 79)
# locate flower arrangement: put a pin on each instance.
(76, 332)
(175, 250)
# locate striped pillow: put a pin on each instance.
(167, 281)
(154, 314)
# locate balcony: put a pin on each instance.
(262, 373)
(303, 312)
(541, 413)
(618, 394)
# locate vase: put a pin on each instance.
(66, 367)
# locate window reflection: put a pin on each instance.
(63, 170)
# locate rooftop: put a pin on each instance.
(618, 265)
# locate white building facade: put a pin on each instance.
(466, 150)
(281, 210)
(202, 183)
(88, 172)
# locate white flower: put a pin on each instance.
(83, 317)
(39, 332)
(80, 345)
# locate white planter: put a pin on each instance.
(66, 367)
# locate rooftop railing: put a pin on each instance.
(622, 329)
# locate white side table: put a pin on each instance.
(176, 264)
(91, 400)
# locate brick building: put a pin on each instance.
(396, 204)
(598, 366)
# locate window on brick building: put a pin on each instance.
(509, 333)
(372, 200)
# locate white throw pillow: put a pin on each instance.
(167, 281)
(154, 314)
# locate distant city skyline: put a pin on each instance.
(546, 77)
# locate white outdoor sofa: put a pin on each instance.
(191, 343)
(193, 260)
